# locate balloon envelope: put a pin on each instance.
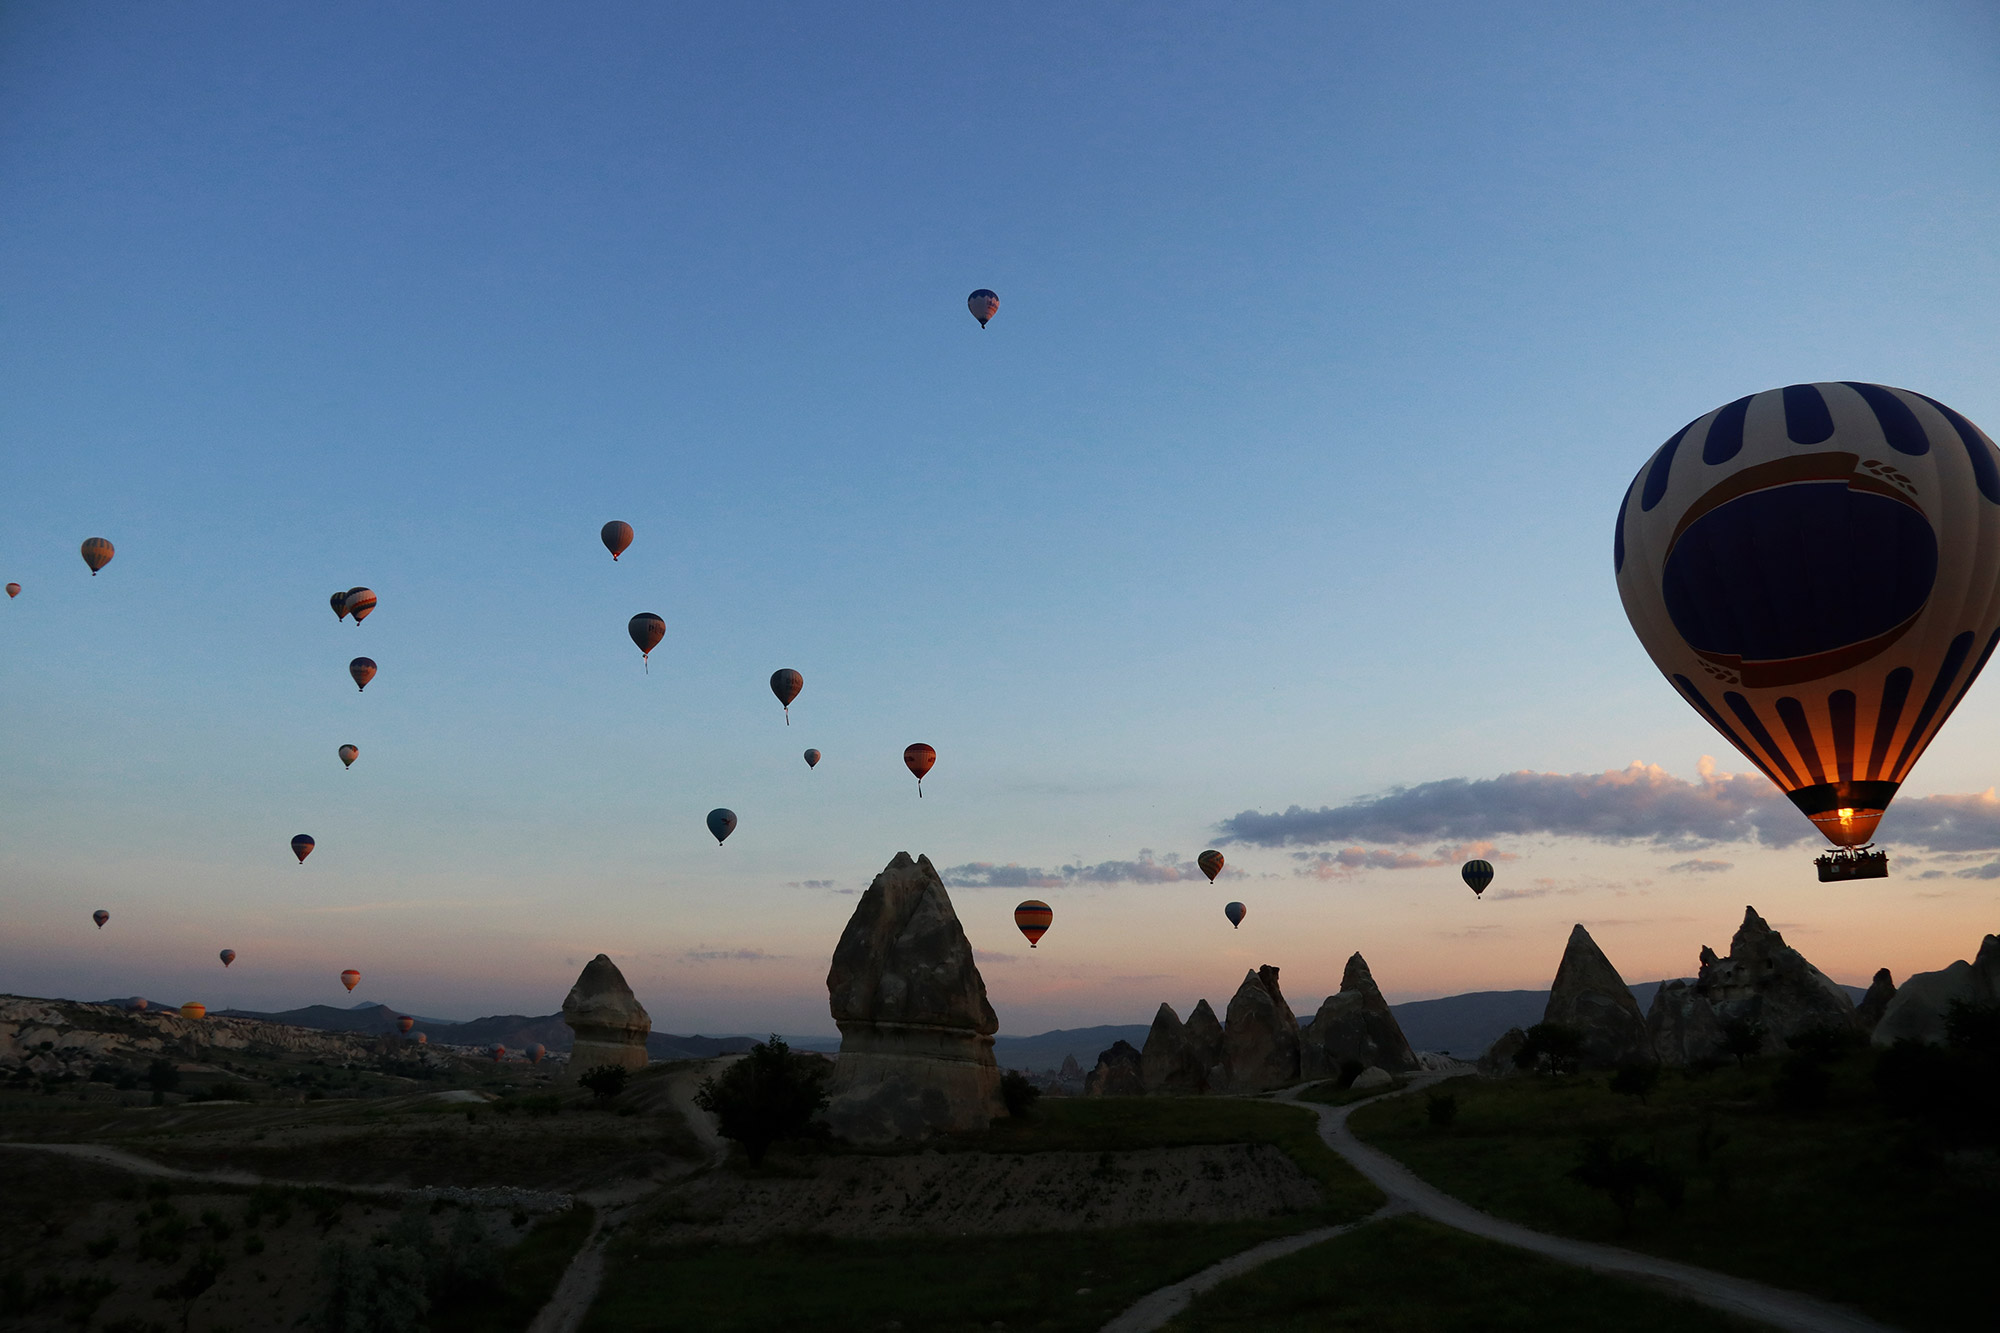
(984, 305)
(1816, 570)
(1477, 875)
(193, 1010)
(405, 1023)
(137, 1004)
(918, 759)
(13, 590)
(350, 978)
(616, 537)
(786, 684)
(646, 630)
(499, 1052)
(100, 916)
(1210, 862)
(360, 601)
(363, 671)
(812, 758)
(228, 956)
(302, 847)
(536, 1052)
(721, 823)
(339, 604)
(1032, 918)
(97, 553)
(1236, 912)
(423, 1038)
(348, 754)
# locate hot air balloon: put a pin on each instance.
(984, 305)
(423, 1038)
(97, 553)
(1236, 912)
(137, 1004)
(363, 671)
(918, 759)
(1032, 919)
(405, 1023)
(1816, 569)
(536, 1052)
(616, 537)
(350, 979)
(339, 604)
(100, 916)
(193, 1009)
(786, 684)
(1477, 875)
(302, 847)
(348, 754)
(646, 630)
(499, 1053)
(1210, 862)
(812, 758)
(228, 956)
(360, 601)
(721, 823)
(13, 591)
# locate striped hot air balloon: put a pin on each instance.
(984, 305)
(360, 601)
(1032, 918)
(350, 979)
(405, 1023)
(97, 553)
(339, 603)
(1477, 875)
(194, 1009)
(228, 956)
(1816, 569)
(1210, 862)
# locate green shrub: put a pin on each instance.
(768, 1095)
(605, 1081)
(1018, 1094)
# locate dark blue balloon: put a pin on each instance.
(721, 823)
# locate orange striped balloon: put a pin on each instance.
(1032, 918)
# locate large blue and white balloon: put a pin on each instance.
(1817, 570)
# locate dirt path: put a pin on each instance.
(1733, 1295)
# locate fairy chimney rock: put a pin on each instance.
(916, 1030)
(610, 1024)
(1590, 996)
(1357, 1025)
(1260, 1042)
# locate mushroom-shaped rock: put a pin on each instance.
(916, 1030)
(1260, 1042)
(1356, 1025)
(1590, 997)
(610, 1024)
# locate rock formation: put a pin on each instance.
(1498, 1062)
(1919, 1008)
(1876, 1002)
(1763, 981)
(1355, 1025)
(1371, 1078)
(1590, 996)
(1260, 1043)
(1204, 1038)
(916, 1030)
(609, 1022)
(1170, 1063)
(1118, 1072)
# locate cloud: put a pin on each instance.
(809, 884)
(1146, 869)
(1700, 867)
(1351, 861)
(728, 955)
(1991, 870)
(988, 956)
(1946, 823)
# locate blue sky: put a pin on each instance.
(1329, 339)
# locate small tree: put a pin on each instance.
(1742, 1038)
(1622, 1172)
(770, 1094)
(1636, 1080)
(605, 1081)
(1019, 1094)
(1555, 1045)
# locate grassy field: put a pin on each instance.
(1409, 1275)
(1840, 1202)
(1071, 1280)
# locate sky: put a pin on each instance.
(1330, 337)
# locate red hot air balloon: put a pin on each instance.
(227, 956)
(984, 305)
(616, 537)
(812, 758)
(1032, 918)
(302, 847)
(646, 630)
(363, 671)
(348, 754)
(100, 916)
(423, 1038)
(1236, 912)
(350, 979)
(1210, 862)
(13, 591)
(97, 553)
(721, 823)
(786, 684)
(339, 603)
(499, 1053)
(1816, 571)
(405, 1023)
(137, 1004)
(536, 1052)
(1477, 875)
(918, 759)
(360, 601)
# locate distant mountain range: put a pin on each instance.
(515, 1031)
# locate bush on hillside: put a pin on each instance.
(772, 1093)
(1019, 1094)
(605, 1081)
